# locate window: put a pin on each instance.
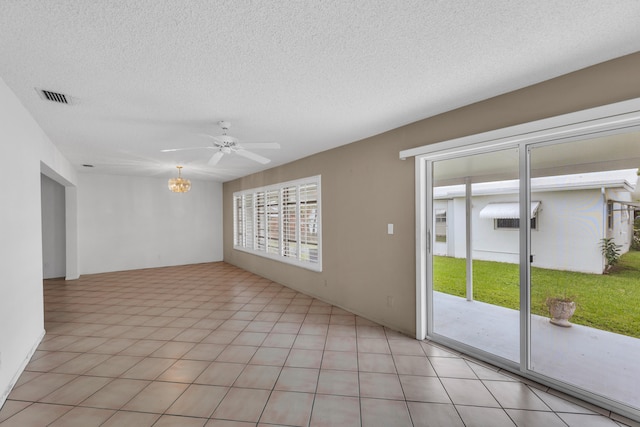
(281, 222)
(610, 215)
(441, 225)
(506, 216)
(512, 223)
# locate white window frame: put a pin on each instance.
(249, 243)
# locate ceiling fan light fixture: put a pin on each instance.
(179, 184)
(226, 144)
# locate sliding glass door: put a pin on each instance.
(533, 259)
(475, 256)
(585, 270)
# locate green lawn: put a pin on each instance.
(608, 302)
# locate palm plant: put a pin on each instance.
(610, 251)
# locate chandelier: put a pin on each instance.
(179, 184)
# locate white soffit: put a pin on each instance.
(625, 179)
(143, 75)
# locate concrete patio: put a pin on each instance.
(601, 362)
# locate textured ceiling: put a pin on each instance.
(311, 75)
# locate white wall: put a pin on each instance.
(570, 226)
(53, 229)
(460, 226)
(130, 223)
(491, 244)
(24, 149)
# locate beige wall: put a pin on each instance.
(365, 186)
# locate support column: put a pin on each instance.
(468, 206)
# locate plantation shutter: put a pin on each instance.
(273, 221)
(238, 224)
(259, 205)
(247, 219)
(290, 222)
(280, 222)
(309, 222)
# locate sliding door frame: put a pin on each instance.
(600, 121)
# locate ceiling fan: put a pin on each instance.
(227, 144)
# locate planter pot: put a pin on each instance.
(561, 311)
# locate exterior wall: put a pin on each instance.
(459, 225)
(490, 244)
(365, 187)
(569, 231)
(570, 225)
(451, 231)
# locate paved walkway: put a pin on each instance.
(598, 361)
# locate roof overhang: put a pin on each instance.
(506, 210)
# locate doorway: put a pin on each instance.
(530, 208)
(54, 246)
(475, 280)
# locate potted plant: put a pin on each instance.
(561, 308)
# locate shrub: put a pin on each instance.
(635, 242)
(610, 251)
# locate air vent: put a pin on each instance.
(60, 98)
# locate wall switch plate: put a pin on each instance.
(389, 228)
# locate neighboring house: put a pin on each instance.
(570, 214)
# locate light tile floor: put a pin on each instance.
(213, 345)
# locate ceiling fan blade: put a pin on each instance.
(253, 156)
(215, 158)
(261, 145)
(171, 150)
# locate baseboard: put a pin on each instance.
(23, 365)
(357, 313)
(410, 334)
